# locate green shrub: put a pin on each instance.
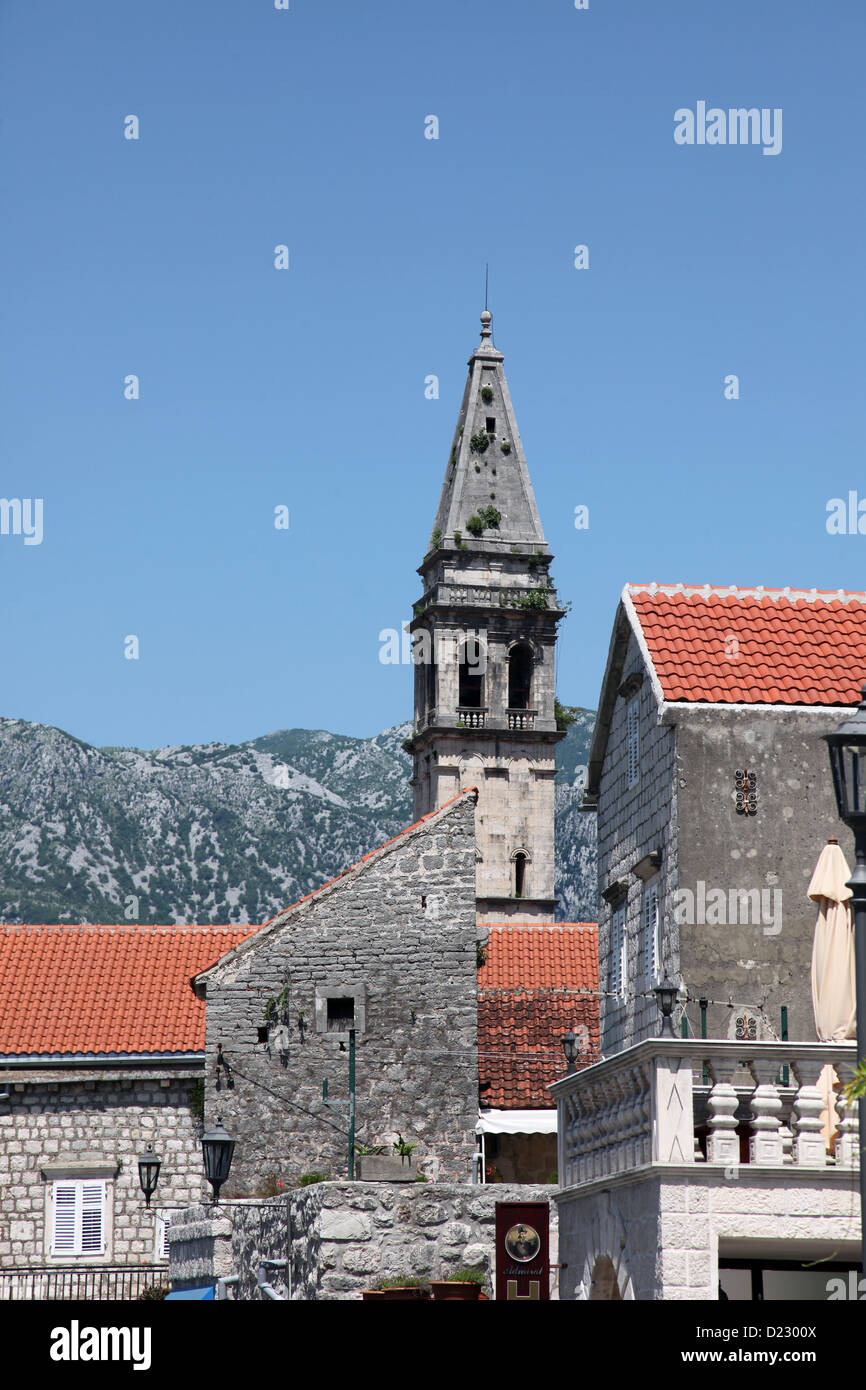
(405, 1281)
(152, 1293)
(487, 394)
(479, 442)
(505, 447)
(307, 1179)
(564, 715)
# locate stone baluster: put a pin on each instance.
(848, 1135)
(723, 1142)
(642, 1146)
(765, 1141)
(809, 1145)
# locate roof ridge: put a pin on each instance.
(735, 591)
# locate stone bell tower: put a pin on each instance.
(484, 636)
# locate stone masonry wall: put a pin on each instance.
(664, 1235)
(632, 822)
(399, 934)
(344, 1237)
(60, 1119)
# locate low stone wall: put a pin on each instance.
(344, 1237)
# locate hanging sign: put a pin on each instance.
(523, 1250)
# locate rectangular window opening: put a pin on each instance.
(341, 1015)
(491, 424)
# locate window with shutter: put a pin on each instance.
(651, 945)
(79, 1218)
(161, 1250)
(618, 952)
(632, 732)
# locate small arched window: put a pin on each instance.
(520, 862)
(519, 677)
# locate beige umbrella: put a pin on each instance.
(833, 1001)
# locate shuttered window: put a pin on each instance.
(161, 1250)
(79, 1218)
(632, 735)
(618, 952)
(651, 945)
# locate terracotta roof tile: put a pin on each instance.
(754, 646)
(527, 1000)
(98, 990)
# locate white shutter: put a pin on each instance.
(617, 952)
(161, 1249)
(79, 1218)
(65, 1205)
(92, 1204)
(632, 733)
(651, 931)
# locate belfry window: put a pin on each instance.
(519, 677)
(520, 874)
(471, 690)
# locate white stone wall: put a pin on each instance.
(664, 1234)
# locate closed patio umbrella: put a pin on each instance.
(833, 1000)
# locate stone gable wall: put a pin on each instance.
(401, 932)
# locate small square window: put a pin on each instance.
(491, 424)
(341, 1015)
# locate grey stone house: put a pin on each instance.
(712, 789)
(101, 1054)
(387, 949)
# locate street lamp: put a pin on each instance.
(847, 746)
(571, 1048)
(217, 1147)
(666, 994)
(148, 1173)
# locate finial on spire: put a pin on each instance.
(486, 320)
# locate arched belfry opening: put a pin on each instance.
(471, 677)
(520, 676)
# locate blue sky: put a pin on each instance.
(305, 387)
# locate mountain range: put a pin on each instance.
(223, 833)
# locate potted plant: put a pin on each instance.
(405, 1288)
(463, 1284)
(372, 1293)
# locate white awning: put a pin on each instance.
(516, 1122)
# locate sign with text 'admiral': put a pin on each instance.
(523, 1250)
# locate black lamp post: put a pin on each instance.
(571, 1049)
(666, 994)
(217, 1148)
(148, 1173)
(847, 745)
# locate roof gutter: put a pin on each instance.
(100, 1059)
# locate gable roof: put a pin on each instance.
(731, 646)
(530, 995)
(199, 983)
(105, 991)
(754, 646)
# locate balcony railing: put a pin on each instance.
(522, 718)
(94, 1284)
(472, 718)
(671, 1100)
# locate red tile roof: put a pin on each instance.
(754, 646)
(528, 998)
(98, 990)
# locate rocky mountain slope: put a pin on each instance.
(221, 833)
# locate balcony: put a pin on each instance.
(93, 1284)
(471, 718)
(671, 1101)
(522, 718)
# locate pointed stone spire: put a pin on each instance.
(487, 470)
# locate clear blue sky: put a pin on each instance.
(306, 387)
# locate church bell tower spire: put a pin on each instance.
(484, 636)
